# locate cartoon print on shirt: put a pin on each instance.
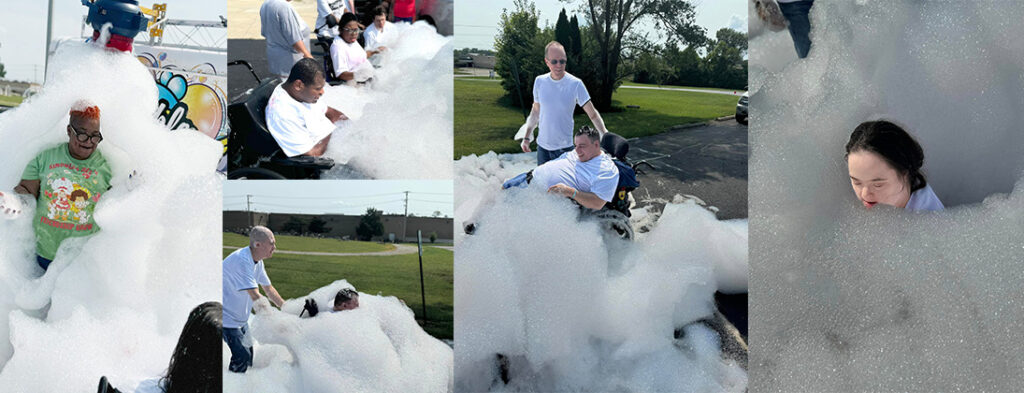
(69, 202)
(60, 190)
(79, 201)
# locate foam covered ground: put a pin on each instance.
(886, 300)
(377, 347)
(574, 310)
(114, 303)
(400, 124)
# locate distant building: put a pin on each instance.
(342, 226)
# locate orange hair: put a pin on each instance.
(85, 110)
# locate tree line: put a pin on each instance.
(607, 50)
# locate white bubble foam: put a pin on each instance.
(574, 310)
(377, 347)
(118, 299)
(401, 123)
(886, 300)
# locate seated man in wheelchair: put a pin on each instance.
(586, 175)
(299, 123)
(595, 175)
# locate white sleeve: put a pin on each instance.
(261, 275)
(605, 183)
(336, 57)
(582, 96)
(239, 279)
(290, 133)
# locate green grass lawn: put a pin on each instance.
(485, 120)
(398, 275)
(10, 100)
(299, 243)
(682, 87)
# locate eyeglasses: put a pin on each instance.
(82, 137)
(558, 61)
(352, 31)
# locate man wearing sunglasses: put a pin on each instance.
(66, 181)
(555, 96)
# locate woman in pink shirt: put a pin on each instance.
(347, 55)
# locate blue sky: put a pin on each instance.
(476, 21)
(340, 196)
(23, 28)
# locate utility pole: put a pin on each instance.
(49, 28)
(405, 221)
(248, 208)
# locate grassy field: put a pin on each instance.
(397, 275)
(10, 100)
(485, 120)
(299, 243)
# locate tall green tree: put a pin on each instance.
(3, 72)
(733, 38)
(520, 51)
(612, 20)
(370, 225)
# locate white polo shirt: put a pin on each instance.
(296, 126)
(345, 56)
(558, 99)
(240, 273)
(599, 176)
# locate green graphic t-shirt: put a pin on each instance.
(68, 192)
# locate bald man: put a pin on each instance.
(555, 97)
(66, 181)
(243, 270)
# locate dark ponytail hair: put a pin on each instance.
(196, 363)
(894, 145)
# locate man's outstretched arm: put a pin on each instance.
(273, 295)
(319, 149)
(530, 125)
(587, 199)
(595, 117)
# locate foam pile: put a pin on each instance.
(400, 124)
(888, 300)
(574, 310)
(377, 347)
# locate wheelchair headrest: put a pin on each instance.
(258, 138)
(615, 145)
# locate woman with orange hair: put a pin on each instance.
(53, 175)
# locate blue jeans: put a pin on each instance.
(799, 24)
(397, 19)
(43, 262)
(241, 356)
(544, 155)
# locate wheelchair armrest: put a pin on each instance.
(308, 162)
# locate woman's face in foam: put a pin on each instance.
(875, 181)
(350, 32)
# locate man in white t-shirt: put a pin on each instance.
(299, 123)
(329, 7)
(555, 97)
(380, 25)
(243, 270)
(586, 175)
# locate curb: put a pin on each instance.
(723, 118)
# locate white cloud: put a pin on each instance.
(738, 22)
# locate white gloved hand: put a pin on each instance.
(10, 205)
(363, 72)
(261, 305)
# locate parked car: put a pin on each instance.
(741, 108)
